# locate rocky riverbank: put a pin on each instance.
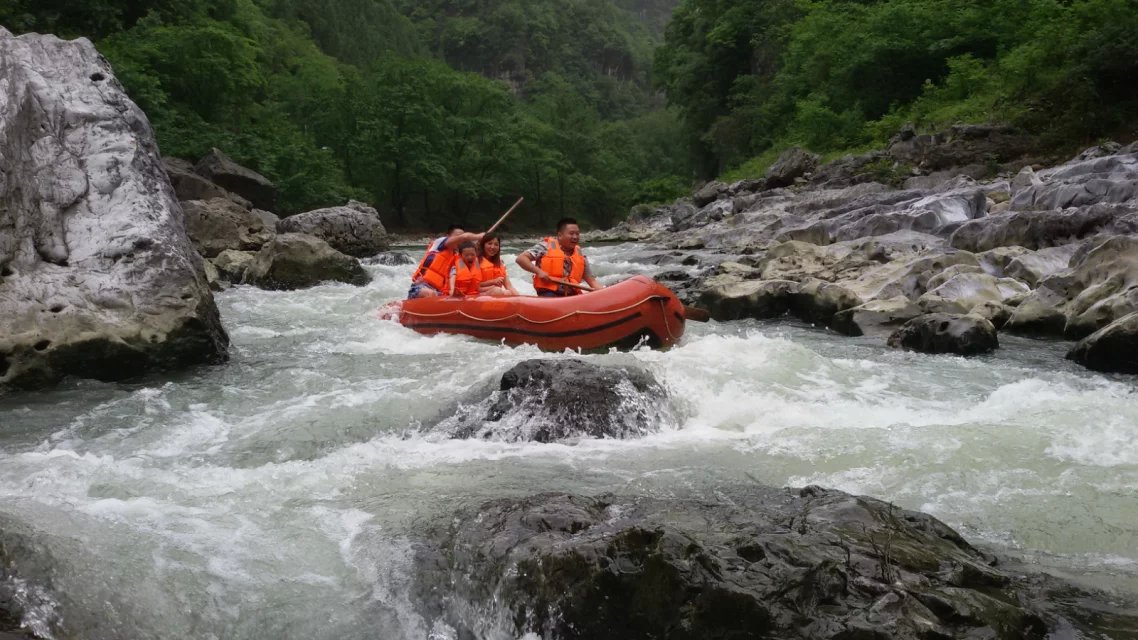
(876, 244)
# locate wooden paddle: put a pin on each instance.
(695, 314)
(504, 216)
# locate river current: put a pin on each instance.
(280, 495)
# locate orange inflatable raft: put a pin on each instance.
(620, 315)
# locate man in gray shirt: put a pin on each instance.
(557, 263)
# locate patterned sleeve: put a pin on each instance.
(537, 251)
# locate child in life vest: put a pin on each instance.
(467, 270)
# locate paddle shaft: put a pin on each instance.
(504, 216)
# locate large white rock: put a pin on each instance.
(97, 276)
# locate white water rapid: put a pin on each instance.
(279, 496)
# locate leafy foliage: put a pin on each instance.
(333, 100)
(754, 75)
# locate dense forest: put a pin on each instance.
(755, 76)
(437, 110)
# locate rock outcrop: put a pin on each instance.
(558, 400)
(188, 185)
(753, 562)
(97, 276)
(1114, 348)
(354, 229)
(219, 225)
(1038, 251)
(1099, 287)
(794, 163)
(219, 169)
(965, 335)
(296, 261)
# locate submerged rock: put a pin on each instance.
(946, 333)
(297, 261)
(97, 276)
(754, 562)
(550, 400)
(354, 229)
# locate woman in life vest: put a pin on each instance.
(467, 270)
(432, 276)
(495, 280)
(559, 258)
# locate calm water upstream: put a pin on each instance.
(279, 496)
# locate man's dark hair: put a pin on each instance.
(467, 245)
(562, 223)
(452, 227)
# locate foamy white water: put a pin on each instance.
(278, 496)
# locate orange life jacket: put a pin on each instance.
(491, 270)
(434, 268)
(553, 263)
(466, 280)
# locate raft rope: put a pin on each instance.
(664, 313)
(558, 319)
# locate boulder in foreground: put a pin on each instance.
(751, 562)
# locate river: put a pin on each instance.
(279, 496)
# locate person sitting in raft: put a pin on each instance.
(559, 258)
(432, 276)
(467, 271)
(495, 280)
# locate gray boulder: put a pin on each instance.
(219, 169)
(745, 562)
(946, 333)
(875, 316)
(297, 261)
(709, 193)
(188, 185)
(1100, 287)
(1039, 229)
(730, 298)
(232, 264)
(354, 229)
(97, 276)
(218, 225)
(791, 164)
(549, 400)
(1114, 348)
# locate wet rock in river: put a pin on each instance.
(965, 335)
(754, 562)
(297, 261)
(551, 400)
(1114, 348)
